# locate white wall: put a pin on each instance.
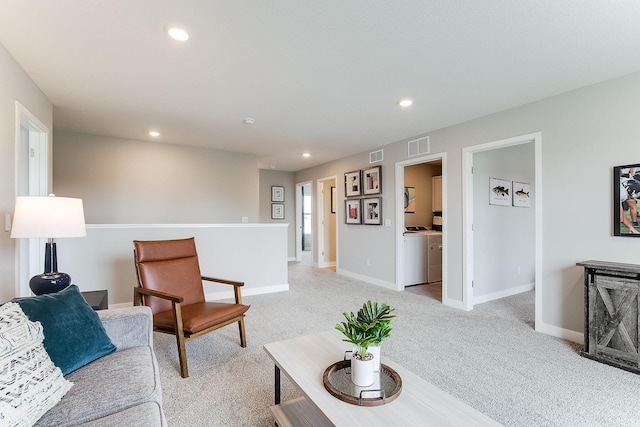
(584, 134)
(139, 182)
(252, 253)
(15, 84)
(504, 236)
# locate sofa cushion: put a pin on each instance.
(144, 415)
(113, 383)
(30, 384)
(73, 333)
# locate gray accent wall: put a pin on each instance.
(15, 85)
(585, 133)
(140, 182)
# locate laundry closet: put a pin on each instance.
(423, 223)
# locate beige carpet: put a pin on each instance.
(491, 358)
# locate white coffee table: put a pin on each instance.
(304, 360)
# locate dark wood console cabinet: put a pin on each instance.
(612, 313)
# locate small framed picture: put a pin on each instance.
(352, 211)
(500, 192)
(521, 194)
(371, 183)
(277, 210)
(409, 200)
(626, 193)
(277, 193)
(333, 199)
(372, 211)
(352, 184)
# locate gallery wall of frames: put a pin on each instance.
(363, 191)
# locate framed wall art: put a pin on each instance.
(521, 194)
(333, 199)
(371, 181)
(372, 211)
(277, 210)
(626, 192)
(352, 184)
(353, 214)
(409, 200)
(277, 193)
(500, 192)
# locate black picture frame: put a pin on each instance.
(626, 192)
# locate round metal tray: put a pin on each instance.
(386, 387)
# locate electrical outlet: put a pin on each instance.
(368, 261)
(7, 222)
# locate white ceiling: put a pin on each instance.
(317, 76)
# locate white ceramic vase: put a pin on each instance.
(375, 350)
(362, 371)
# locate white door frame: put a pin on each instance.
(29, 253)
(400, 219)
(320, 222)
(467, 215)
(298, 222)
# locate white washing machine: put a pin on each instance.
(422, 256)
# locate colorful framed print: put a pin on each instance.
(626, 192)
(372, 211)
(371, 181)
(353, 214)
(352, 184)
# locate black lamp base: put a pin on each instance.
(49, 283)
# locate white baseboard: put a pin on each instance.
(454, 304)
(373, 281)
(214, 296)
(327, 264)
(504, 293)
(556, 331)
(292, 259)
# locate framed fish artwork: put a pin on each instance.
(521, 194)
(500, 192)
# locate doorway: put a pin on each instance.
(32, 151)
(304, 220)
(403, 253)
(326, 212)
(470, 215)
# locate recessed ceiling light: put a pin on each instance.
(178, 34)
(249, 121)
(306, 155)
(154, 133)
(405, 102)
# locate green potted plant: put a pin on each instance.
(370, 325)
(379, 318)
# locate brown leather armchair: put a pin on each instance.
(170, 283)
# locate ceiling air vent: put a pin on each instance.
(419, 146)
(376, 156)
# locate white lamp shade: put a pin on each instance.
(48, 217)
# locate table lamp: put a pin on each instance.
(48, 217)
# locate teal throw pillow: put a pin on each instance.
(73, 333)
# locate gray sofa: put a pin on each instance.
(121, 388)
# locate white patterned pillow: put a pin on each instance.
(30, 384)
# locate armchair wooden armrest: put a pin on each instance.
(138, 291)
(236, 286)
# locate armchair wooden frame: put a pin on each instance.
(183, 336)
